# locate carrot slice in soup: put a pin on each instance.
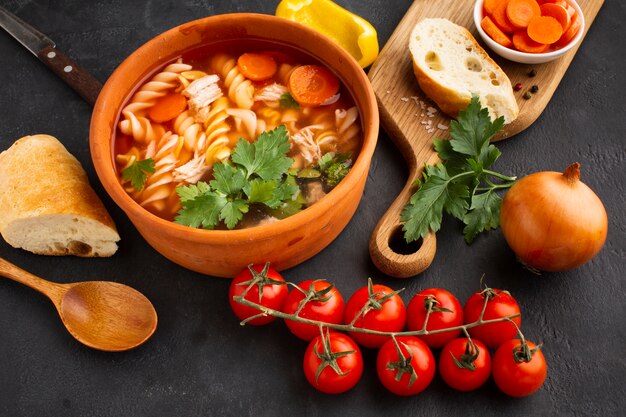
(523, 43)
(571, 31)
(556, 11)
(167, 107)
(520, 12)
(311, 85)
(495, 33)
(544, 29)
(257, 67)
(500, 19)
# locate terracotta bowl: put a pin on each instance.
(223, 253)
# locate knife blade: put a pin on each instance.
(45, 49)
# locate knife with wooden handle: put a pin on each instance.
(45, 49)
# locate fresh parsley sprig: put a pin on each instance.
(256, 173)
(462, 185)
(137, 172)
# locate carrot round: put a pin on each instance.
(544, 29)
(520, 12)
(524, 43)
(495, 33)
(571, 11)
(556, 11)
(500, 19)
(311, 85)
(257, 67)
(570, 33)
(490, 6)
(167, 107)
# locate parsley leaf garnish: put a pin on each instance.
(266, 157)
(287, 101)
(137, 172)
(462, 185)
(256, 173)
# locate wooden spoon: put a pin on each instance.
(100, 314)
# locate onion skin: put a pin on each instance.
(552, 221)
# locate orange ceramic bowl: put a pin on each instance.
(223, 253)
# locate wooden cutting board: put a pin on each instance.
(404, 113)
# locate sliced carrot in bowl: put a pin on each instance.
(520, 12)
(495, 33)
(524, 43)
(544, 29)
(558, 12)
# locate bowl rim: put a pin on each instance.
(525, 57)
(108, 177)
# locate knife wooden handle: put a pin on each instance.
(76, 77)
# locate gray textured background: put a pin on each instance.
(200, 362)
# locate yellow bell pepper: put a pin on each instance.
(355, 34)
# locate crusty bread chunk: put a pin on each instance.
(451, 66)
(46, 204)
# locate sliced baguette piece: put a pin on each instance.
(451, 66)
(46, 204)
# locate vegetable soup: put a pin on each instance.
(227, 137)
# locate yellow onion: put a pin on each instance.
(552, 221)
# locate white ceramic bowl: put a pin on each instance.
(523, 57)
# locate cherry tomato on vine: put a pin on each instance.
(257, 279)
(409, 373)
(321, 301)
(375, 307)
(465, 365)
(445, 311)
(500, 304)
(517, 370)
(333, 363)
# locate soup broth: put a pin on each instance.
(190, 115)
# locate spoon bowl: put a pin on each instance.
(107, 315)
(103, 315)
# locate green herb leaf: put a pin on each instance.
(473, 129)
(334, 167)
(261, 191)
(136, 172)
(228, 179)
(484, 214)
(266, 157)
(191, 191)
(425, 211)
(461, 185)
(203, 210)
(233, 212)
(287, 101)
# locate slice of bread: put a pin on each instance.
(46, 204)
(451, 66)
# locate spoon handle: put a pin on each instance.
(53, 290)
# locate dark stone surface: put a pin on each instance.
(200, 362)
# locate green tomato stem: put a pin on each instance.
(265, 311)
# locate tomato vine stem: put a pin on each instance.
(265, 311)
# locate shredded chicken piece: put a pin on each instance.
(270, 92)
(268, 220)
(202, 115)
(309, 149)
(202, 92)
(314, 192)
(192, 171)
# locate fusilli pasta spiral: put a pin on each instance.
(240, 89)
